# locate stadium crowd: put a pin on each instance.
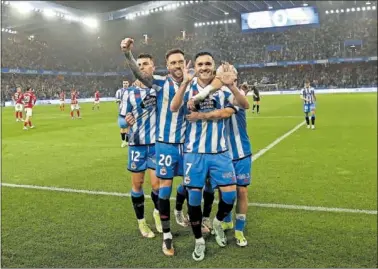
(225, 42)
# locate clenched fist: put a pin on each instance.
(127, 44)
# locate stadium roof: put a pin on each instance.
(99, 6)
(188, 12)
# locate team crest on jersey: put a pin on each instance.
(149, 101)
(206, 105)
(133, 165)
(163, 171)
(186, 180)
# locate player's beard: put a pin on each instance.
(177, 75)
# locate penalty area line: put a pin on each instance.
(266, 205)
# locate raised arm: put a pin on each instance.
(178, 99)
(126, 46)
(240, 99)
(217, 114)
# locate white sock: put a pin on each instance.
(200, 240)
(167, 235)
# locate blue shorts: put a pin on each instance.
(218, 167)
(243, 171)
(308, 108)
(122, 122)
(169, 160)
(141, 158)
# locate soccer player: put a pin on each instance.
(121, 99)
(309, 99)
(240, 149)
(206, 151)
(75, 104)
(29, 100)
(256, 98)
(170, 134)
(18, 104)
(62, 98)
(96, 100)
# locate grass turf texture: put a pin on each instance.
(332, 166)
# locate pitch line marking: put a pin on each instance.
(120, 194)
(255, 157)
(275, 142)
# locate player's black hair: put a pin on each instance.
(173, 51)
(145, 55)
(28, 88)
(202, 53)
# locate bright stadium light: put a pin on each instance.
(196, 24)
(337, 11)
(368, 3)
(90, 22)
(363, 8)
(216, 22)
(368, 8)
(358, 9)
(347, 10)
(221, 22)
(305, 4)
(331, 11)
(342, 10)
(22, 7)
(233, 21)
(212, 23)
(208, 23)
(353, 9)
(48, 13)
(191, 2)
(270, 7)
(373, 7)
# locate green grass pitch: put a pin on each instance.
(333, 166)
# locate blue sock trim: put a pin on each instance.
(229, 197)
(195, 197)
(165, 192)
(228, 218)
(240, 223)
(137, 194)
(181, 189)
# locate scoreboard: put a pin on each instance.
(280, 19)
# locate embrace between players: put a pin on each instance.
(192, 126)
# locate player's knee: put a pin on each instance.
(195, 197)
(165, 192)
(242, 192)
(228, 197)
(137, 180)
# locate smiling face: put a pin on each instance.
(204, 67)
(175, 65)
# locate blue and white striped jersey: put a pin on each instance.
(170, 125)
(308, 93)
(141, 102)
(207, 136)
(122, 95)
(238, 140)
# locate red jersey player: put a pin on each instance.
(62, 98)
(29, 101)
(18, 104)
(75, 104)
(96, 100)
